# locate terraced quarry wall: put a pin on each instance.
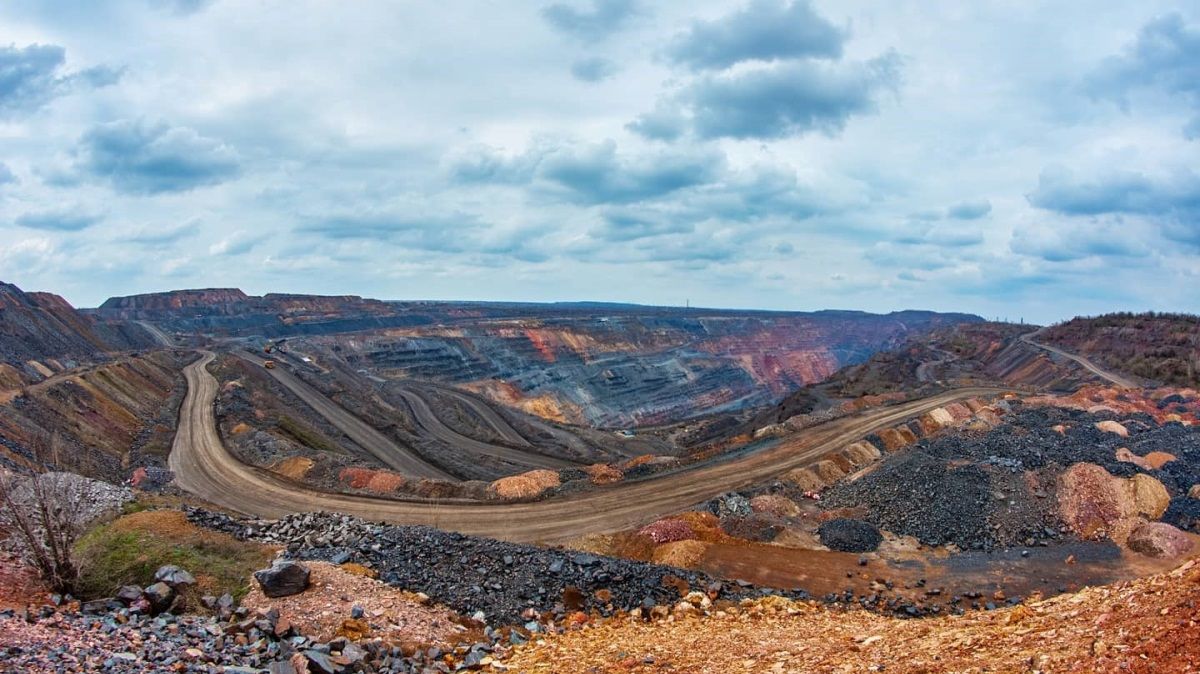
(103, 419)
(41, 334)
(627, 370)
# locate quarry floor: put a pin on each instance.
(203, 466)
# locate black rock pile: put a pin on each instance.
(847, 535)
(970, 489)
(495, 582)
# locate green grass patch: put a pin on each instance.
(130, 549)
(305, 436)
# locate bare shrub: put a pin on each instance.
(44, 514)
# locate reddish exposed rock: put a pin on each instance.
(958, 411)
(668, 530)
(1096, 505)
(1157, 460)
(1159, 539)
(1087, 501)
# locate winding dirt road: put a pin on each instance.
(383, 448)
(485, 413)
(1117, 379)
(432, 425)
(204, 467)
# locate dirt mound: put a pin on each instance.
(322, 610)
(668, 530)
(846, 535)
(706, 526)
(681, 554)
(603, 473)
(293, 468)
(774, 504)
(524, 486)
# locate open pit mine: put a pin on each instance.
(293, 483)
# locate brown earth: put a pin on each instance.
(398, 617)
(1143, 626)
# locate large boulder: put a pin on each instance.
(1096, 505)
(1113, 427)
(1087, 502)
(283, 579)
(1147, 497)
(1159, 539)
(849, 535)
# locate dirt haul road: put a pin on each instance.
(1030, 339)
(377, 444)
(204, 467)
(392, 454)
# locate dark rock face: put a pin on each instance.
(847, 535)
(283, 579)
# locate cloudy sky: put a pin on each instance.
(1028, 159)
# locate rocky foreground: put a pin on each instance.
(1149, 625)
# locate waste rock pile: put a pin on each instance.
(499, 583)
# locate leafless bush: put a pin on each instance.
(44, 514)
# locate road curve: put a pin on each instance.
(204, 467)
(432, 425)
(383, 448)
(1112, 377)
(158, 335)
(484, 411)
